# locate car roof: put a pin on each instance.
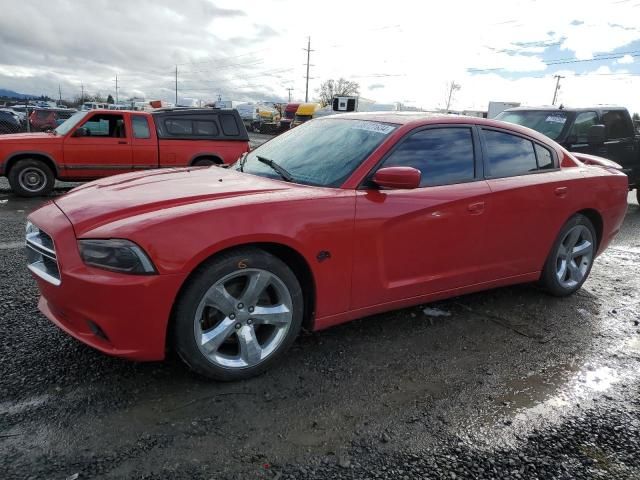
(553, 108)
(417, 119)
(404, 118)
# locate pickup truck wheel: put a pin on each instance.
(238, 315)
(204, 162)
(31, 178)
(638, 195)
(571, 257)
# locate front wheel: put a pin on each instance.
(238, 315)
(31, 178)
(571, 257)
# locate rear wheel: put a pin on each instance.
(205, 162)
(31, 178)
(238, 315)
(571, 257)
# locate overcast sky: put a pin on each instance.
(398, 51)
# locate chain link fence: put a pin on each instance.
(28, 118)
(12, 121)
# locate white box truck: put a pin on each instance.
(497, 107)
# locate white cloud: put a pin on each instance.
(411, 47)
(626, 59)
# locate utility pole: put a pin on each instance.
(555, 91)
(289, 90)
(59, 94)
(176, 104)
(453, 87)
(82, 93)
(117, 89)
(308, 50)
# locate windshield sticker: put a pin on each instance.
(556, 119)
(373, 127)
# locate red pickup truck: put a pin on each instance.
(99, 143)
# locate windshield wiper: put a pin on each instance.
(242, 161)
(280, 170)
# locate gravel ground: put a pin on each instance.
(509, 383)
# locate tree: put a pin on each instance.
(341, 87)
(452, 87)
(110, 99)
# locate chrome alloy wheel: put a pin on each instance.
(243, 318)
(574, 257)
(32, 179)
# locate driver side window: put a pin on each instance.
(581, 126)
(105, 125)
(444, 156)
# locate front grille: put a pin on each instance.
(41, 255)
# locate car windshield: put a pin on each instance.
(320, 152)
(69, 123)
(549, 123)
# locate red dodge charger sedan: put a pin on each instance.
(342, 217)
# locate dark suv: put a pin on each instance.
(9, 123)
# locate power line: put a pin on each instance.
(247, 64)
(611, 56)
(225, 58)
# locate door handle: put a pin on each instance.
(561, 191)
(476, 208)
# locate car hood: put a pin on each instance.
(29, 137)
(121, 196)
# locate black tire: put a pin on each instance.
(549, 279)
(186, 333)
(638, 195)
(205, 162)
(31, 178)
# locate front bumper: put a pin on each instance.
(118, 314)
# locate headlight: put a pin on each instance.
(30, 229)
(116, 255)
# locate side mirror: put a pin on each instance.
(595, 135)
(80, 132)
(397, 177)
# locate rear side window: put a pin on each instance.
(545, 159)
(443, 155)
(509, 155)
(187, 127)
(140, 127)
(178, 126)
(205, 127)
(229, 125)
